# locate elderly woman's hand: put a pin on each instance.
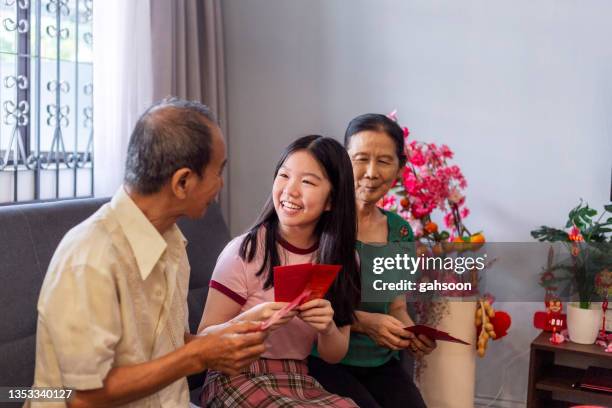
(385, 330)
(422, 345)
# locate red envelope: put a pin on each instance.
(282, 312)
(433, 334)
(322, 278)
(290, 281)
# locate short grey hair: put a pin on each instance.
(171, 134)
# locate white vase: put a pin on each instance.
(449, 376)
(583, 325)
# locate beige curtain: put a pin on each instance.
(158, 48)
(187, 50)
(187, 55)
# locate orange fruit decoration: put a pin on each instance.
(431, 227)
(477, 238)
(476, 241)
(404, 202)
(438, 249)
(421, 249)
(458, 244)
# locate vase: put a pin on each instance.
(583, 325)
(447, 376)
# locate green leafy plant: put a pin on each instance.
(588, 242)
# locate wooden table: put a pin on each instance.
(551, 380)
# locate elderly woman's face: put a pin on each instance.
(375, 164)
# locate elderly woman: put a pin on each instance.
(371, 373)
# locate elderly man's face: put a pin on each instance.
(211, 182)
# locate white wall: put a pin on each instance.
(521, 91)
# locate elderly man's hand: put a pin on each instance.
(230, 349)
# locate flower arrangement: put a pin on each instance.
(588, 242)
(430, 182)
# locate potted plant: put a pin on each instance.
(431, 184)
(587, 239)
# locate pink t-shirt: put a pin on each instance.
(236, 279)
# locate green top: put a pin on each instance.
(363, 351)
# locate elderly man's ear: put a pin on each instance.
(183, 181)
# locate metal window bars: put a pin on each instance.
(46, 99)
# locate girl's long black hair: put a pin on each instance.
(336, 229)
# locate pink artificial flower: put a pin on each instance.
(417, 158)
(455, 196)
(449, 220)
(464, 212)
(410, 181)
(387, 202)
(419, 210)
(455, 171)
(393, 115)
(557, 338)
(417, 227)
(446, 152)
(406, 132)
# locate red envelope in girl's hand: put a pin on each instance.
(322, 278)
(290, 281)
(433, 334)
(279, 314)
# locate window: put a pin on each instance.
(46, 99)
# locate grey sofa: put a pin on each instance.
(29, 234)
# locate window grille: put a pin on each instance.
(46, 99)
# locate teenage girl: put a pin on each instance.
(310, 217)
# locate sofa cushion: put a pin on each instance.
(29, 234)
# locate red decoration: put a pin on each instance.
(490, 324)
(552, 320)
(501, 323)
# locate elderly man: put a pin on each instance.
(112, 309)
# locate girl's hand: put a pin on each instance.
(264, 311)
(387, 331)
(319, 314)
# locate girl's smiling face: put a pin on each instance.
(301, 191)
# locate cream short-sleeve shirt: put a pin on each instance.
(114, 295)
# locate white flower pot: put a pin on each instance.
(449, 377)
(583, 325)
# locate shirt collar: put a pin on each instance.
(147, 244)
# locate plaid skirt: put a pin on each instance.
(270, 383)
